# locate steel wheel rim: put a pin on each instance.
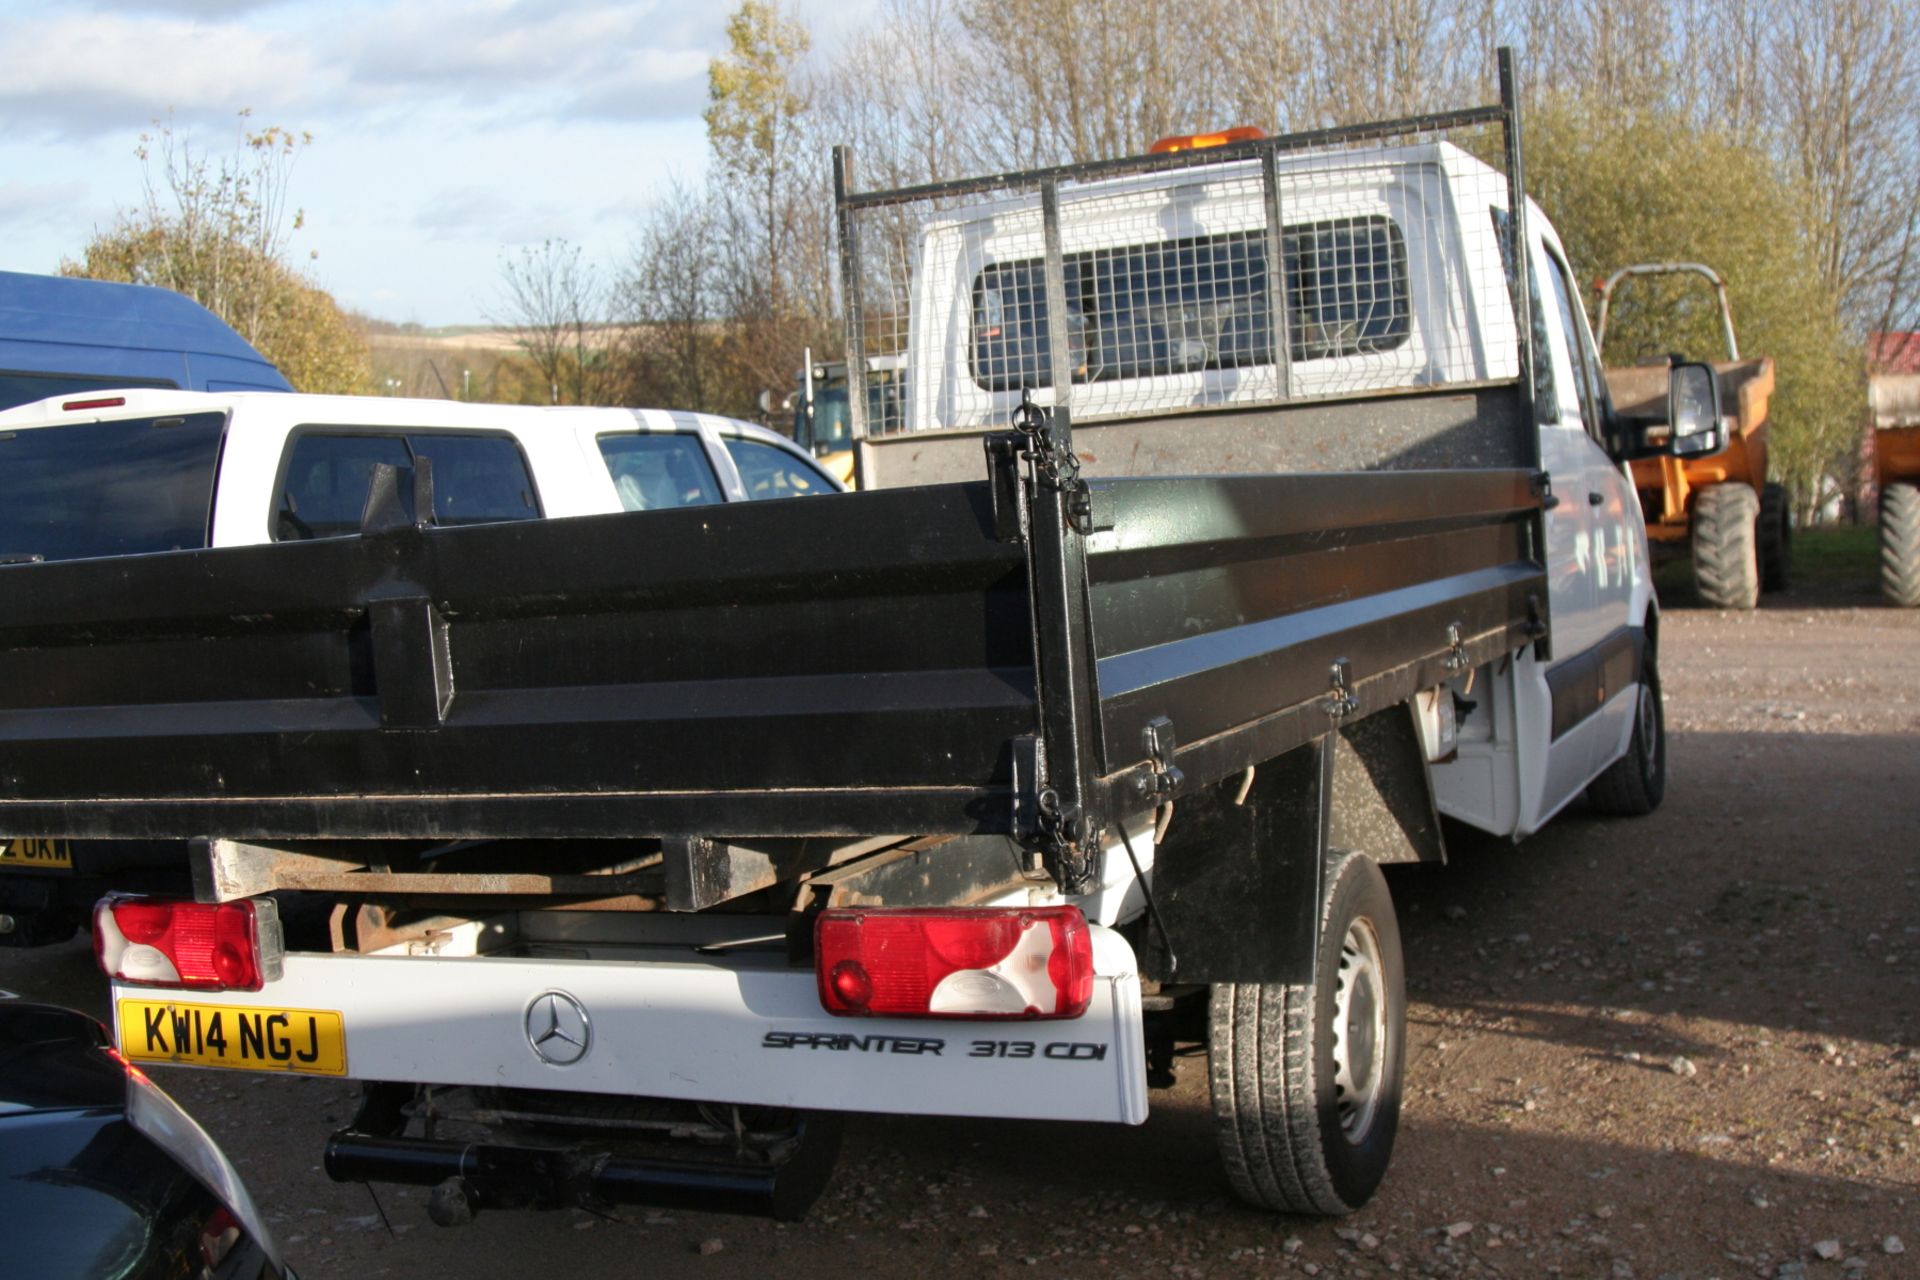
(1359, 1031)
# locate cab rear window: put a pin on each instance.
(107, 488)
(1196, 303)
(477, 479)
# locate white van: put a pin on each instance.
(124, 471)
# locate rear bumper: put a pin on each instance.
(736, 1030)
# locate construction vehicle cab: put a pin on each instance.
(822, 422)
(1709, 500)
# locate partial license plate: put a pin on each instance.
(36, 851)
(218, 1035)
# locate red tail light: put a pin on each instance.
(225, 946)
(991, 962)
(104, 402)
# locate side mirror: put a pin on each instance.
(1693, 411)
(766, 403)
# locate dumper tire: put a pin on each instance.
(1634, 785)
(1305, 1078)
(1726, 560)
(1776, 539)
(1900, 545)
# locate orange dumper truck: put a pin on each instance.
(1895, 401)
(1717, 507)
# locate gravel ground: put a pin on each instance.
(1686, 1045)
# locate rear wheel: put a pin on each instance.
(1776, 539)
(1900, 544)
(1726, 561)
(1306, 1079)
(1634, 785)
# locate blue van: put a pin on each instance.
(59, 336)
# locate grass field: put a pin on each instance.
(1831, 561)
(1842, 555)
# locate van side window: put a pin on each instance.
(477, 479)
(653, 471)
(767, 471)
(1196, 303)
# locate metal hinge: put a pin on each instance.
(1340, 702)
(1003, 483)
(1157, 740)
(1456, 659)
(1536, 617)
(1543, 490)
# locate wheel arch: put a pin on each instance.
(1240, 879)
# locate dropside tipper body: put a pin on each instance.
(713, 673)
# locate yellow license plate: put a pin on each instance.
(222, 1035)
(36, 851)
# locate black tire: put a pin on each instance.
(1900, 545)
(1634, 785)
(1296, 1132)
(1776, 539)
(1726, 560)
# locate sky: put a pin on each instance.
(445, 132)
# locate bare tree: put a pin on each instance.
(671, 304)
(1846, 78)
(551, 301)
(1074, 80)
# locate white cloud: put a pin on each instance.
(83, 74)
(187, 8)
(621, 60)
(446, 131)
(39, 203)
(80, 75)
(454, 213)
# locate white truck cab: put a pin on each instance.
(1396, 279)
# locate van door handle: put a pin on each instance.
(1595, 499)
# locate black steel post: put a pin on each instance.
(1523, 293)
(850, 296)
(1066, 685)
(1521, 283)
(1277, 275)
